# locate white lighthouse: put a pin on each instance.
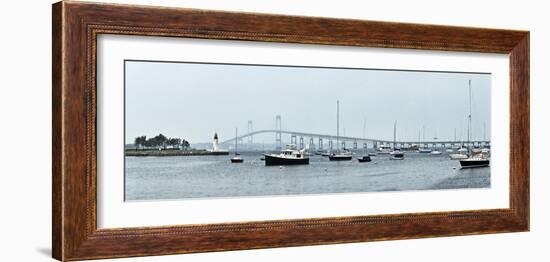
(215, 143)
(216, 146)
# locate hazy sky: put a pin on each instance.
(191, 101)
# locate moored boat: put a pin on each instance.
(341, 156)
(478, 160)
(237, 158)
(384, 149)
(457, 156)
(424, 150)
(435, 152)
(396, 154)
(364, 158)
(289, 156)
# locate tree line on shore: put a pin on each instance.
(160, 141)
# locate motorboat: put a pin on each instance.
(288, 156)
(341, 156)
(476, 160)
(435, 152)
(457, 156)
(365, 158)
(424, 150)
(397, 155)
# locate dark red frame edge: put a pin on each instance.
(75, 26)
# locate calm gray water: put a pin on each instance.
(181, 177)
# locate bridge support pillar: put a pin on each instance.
(330, 145)
(354, 144)
(278, 135)
(301, 142)
(343, 144)
(293, 139)
(320, 147)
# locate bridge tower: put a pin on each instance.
(278, 135)
(250, 130)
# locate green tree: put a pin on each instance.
(174, 142)
(185, 144)
(160, 141)
(140, 141)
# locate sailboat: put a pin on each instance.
(366, 156)
(473, 159)
(237, 158)
(424, 149)
(339, 155)
(396, 154)
(451, 149)
(435, 151)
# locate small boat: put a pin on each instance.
(477, 160)
(341, 156)
(364, 158)
(384, 149)
(396, 154)
(289, 156)
(372, 154)
(237, 158)
(457, 156)
(424, 150)
(326, 154)
(435, 152)
(319, 152)
(448, 150)
(462, 150)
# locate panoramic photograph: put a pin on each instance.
(213, 130)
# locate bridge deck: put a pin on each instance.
(343, 138)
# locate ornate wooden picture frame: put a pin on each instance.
(76, 26)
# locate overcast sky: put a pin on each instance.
(192, 100)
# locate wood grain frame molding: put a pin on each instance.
(76, 26)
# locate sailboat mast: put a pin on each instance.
(338, 124)
(394, 133)
(236, 132)
(469, 110)
(455, 135)
(423, 133)
(364, 134)
(484, 131)
(364, 128)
